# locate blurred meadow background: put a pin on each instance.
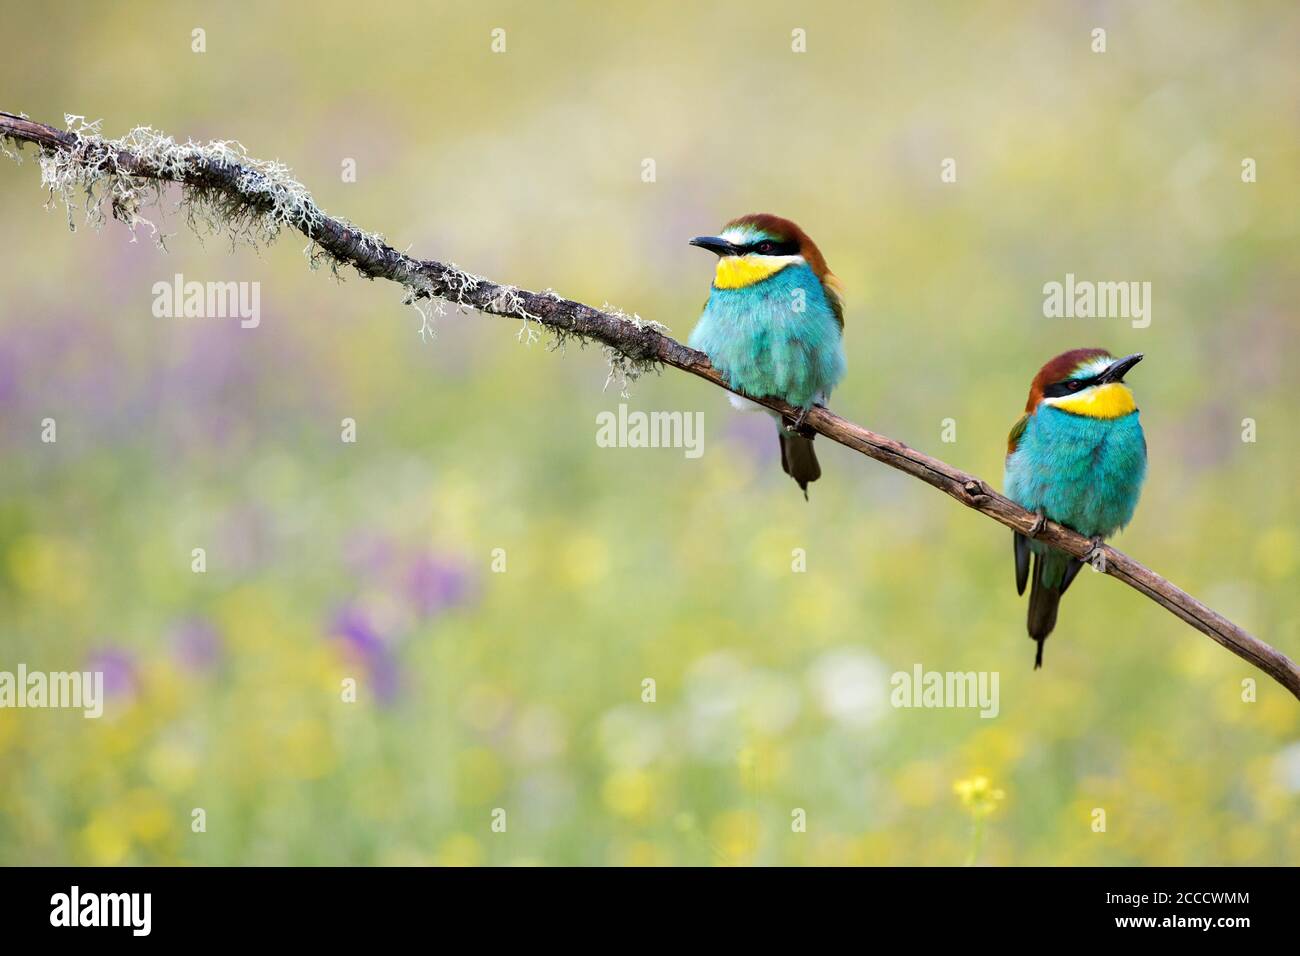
(522, 689)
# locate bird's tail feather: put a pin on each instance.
(1043, 602)
(798, 458)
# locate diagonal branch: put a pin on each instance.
(260, 198)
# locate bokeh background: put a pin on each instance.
(522, 690)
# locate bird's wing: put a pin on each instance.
(1020, 541)
(1022, 560)
(1071, 570)
(1017, 431)
(834, 290)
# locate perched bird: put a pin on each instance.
(1078, 457)
(772, 325)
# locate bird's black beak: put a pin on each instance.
(1117, 369)
(715, 244)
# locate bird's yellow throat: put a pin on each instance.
(1107, 401)
(736, 272)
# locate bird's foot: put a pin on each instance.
(800, 426)
(1097, 556)
(1035, 529)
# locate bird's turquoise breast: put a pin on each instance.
(1080, 471)
(776, 337)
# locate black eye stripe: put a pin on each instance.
(777, 248)
(1057, 389)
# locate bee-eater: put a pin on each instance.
(1078, 457)
(773, 324)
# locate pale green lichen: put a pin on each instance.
(265, 198)
(623, 368)
(428, 300)
(507, 301)
(13, 148)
